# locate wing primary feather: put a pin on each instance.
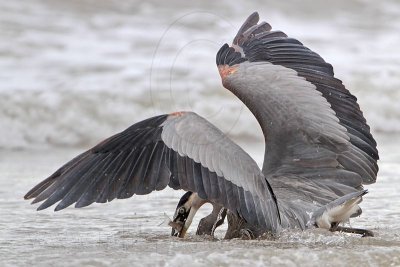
(130, 185)
(191, 183)
(106, 189)
(181, 172)
(198, 180)
(66, 182)
(76, 191)
(117, 181)
(250, 21)
(215, 194)
(152, 177)
(97, 185)
(204, 175)
(144, 175)
(36, 190)
(163, 174)
(172, 165)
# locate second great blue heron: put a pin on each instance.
(318, 148)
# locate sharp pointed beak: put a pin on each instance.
(184, 213)
(179, 225)
(175, 232)
(182, 222)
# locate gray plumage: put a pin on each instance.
(182, 150)
(318, 148)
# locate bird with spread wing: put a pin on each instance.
(319, 151)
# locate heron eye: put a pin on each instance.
(181, 210)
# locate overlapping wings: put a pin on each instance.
(181, 150)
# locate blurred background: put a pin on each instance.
(74, 72)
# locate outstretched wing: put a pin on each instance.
(181, 150)
(296, 72)
(318, 144)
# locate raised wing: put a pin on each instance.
(181, 150)
(318, 144)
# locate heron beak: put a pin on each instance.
(183, 219)
(178, 224)
(182, 222)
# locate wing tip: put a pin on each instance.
(58, 208)
(247, 24)
(83, 203)
(228, 56)
(34, 192)
(42, 206)
(234, 55)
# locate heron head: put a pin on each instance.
(185, 210)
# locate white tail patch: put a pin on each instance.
(340, 213)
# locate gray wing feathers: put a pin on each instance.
(181, 150)
(304, 139)
(191, 135)
(315, 133)
(258, 43)
(228, 174)
(125, 164)
(303, 134)
(251, 21)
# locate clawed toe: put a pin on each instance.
(362, 232)
(246, 234)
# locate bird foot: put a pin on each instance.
(362, 232)
(246, 234)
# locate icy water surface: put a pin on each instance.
(128, 232)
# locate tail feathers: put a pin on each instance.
(339, 210)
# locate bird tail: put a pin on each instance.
(338, 211)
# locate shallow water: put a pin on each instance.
(75, 72)
(128, 232)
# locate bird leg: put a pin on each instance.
(239, 228)
(363, 232)
(220, 220)
(208, 224)
(235, 225)
(247, 234)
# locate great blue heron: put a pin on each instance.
(318, 148)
